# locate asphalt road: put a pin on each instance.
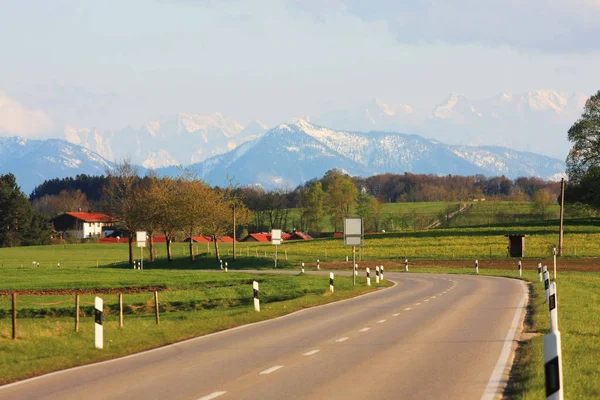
(428, 337)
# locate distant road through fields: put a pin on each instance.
(428, 337)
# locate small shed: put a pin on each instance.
(516, 245)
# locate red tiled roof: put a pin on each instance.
(300, 235)
(91, 217)
(338, 235)
(202, 239)
(225, 239)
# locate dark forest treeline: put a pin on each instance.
(387, 188)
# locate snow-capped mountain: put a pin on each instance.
(510, 120)
(34, 161)
(295, 152)
(188, 138)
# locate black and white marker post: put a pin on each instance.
(476, 266)
(552, 353)
(221, 263)
(256, 299)
(318, 264)
(406, 265)
(225, 266)
(331, 282)
(302, 267)
(540, 271)
(554, 254)
(381, 271)
(377, 274)
(355, 269)
(368, 277)
(520, 266)
(99, 332)
(547, 283)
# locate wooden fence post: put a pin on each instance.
(156, 307)
(14, 315)
(76, 313)
(120, 310)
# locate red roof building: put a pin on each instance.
(299, 236)
(82, 224)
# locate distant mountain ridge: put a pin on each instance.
(34, 161)
(288, 155)
(293, 153)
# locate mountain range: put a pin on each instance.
(516, 121)
(457, 136)
(293, 153)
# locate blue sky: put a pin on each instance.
(108, 64)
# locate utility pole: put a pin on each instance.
(234, 235)
(562, 215)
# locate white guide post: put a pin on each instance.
(476, 266)
(99, 332)
(540, 272)
(381, 271)
(225, 266)
(302, 267)
(553, 353)
(318, 264)
(377, 274)
(256, 299)
(554, 254)
(520, 266)
(331, 282)
(406, 265)
(368, 277)
(547, 284)
(355, 269)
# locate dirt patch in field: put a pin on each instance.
(61, 292)
(577, 264)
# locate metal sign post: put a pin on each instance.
(140, 238)
(353, 232)
(276, 240)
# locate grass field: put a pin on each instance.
(195, 302)
(192, 303)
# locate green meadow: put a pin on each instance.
(195, 299)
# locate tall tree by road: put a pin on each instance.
(120, 200)
(583, 161)
(342, 197)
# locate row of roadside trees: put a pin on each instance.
(171, 206)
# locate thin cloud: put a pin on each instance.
(550, 26)
(16, 120)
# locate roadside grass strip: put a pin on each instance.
(192, 303)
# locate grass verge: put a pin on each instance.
(50, 344)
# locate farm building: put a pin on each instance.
(299, 236)
(209, 239)
(266, 237)
(83, 224)
(257, 237)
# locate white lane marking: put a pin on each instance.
(417, 304)
(342, 339)
(381, 321)
(310, 353)
(364, 329)
(407, 309)
(426, 300)
(433, 297)
(213, 395)
(496, 377)
(272, 369)
(395, 315)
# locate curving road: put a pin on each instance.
(428, 337)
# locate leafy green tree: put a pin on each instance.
(313, 201)
(342, 196)
(369, 209)
(583, 161)
(541, 203)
